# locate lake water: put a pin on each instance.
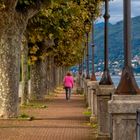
(116, 80)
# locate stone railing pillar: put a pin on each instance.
(94, 88)
(123, 111)
(103, 117)
(86, 90)
(90, 85)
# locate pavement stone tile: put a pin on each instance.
(62, 120)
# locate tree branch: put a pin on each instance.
(34, 9)
(10, 4)
(31, 12)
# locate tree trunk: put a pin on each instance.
(57, 75)
(38, 80)
(12, 26)
(53, 74)
(47, 75)
(10, 42)
(51, 86)
(24, 66)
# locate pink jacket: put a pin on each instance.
(68, 81)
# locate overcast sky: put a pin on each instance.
(116, 10)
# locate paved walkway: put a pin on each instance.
(63, 120)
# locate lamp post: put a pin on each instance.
(127, 83)
(80, 70)
(83, 64)
(106, 78)
(80, 67)
(93, 77)
(87, 25)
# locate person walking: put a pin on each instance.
(68, 84)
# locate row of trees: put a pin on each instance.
(48, 36)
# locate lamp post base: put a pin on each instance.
(106, 78)
(127, 85)
(93, 77)
(87, 77)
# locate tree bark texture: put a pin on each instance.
(12, 26)
(57, 75)
(60, 75)
(24, 66)
(38, 86)
(51, 75)
(47, 75)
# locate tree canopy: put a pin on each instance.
(63, 23)
(59, 21)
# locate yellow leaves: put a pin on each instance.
(43, 56)
(2, 6)
(47, 12)
(39, 37)
(34, 49)
(50, 36)
(84, 15)
(64, 22)
(33, 58)
(33, 38)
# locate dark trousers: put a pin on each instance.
(68, 92)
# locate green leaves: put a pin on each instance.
(64, 22)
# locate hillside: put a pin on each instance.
(116, 40)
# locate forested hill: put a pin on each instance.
(116, 39)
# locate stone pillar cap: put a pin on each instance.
(124, 104)
(86, 80)
(126, 97)
(92, 83)
(106, 90)
(107, 86)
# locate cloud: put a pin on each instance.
(116, 10)
(135, 8)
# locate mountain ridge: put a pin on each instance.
(115, 40)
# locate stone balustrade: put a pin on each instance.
(103, 117)
(123, 111)
(94, 90)
(115, 114)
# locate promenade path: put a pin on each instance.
(62, 120)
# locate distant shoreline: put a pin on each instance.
(116, 79)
